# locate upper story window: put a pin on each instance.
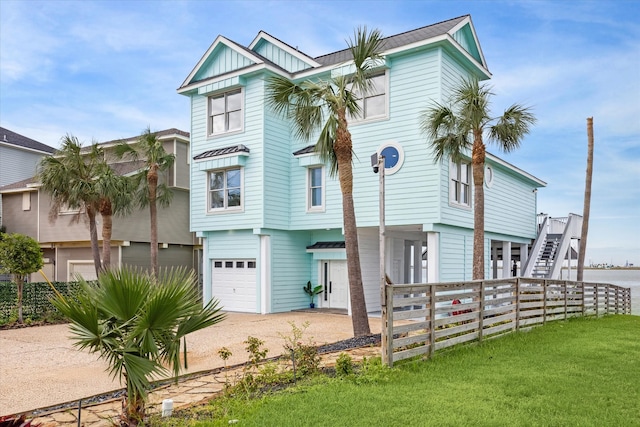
(460, 184)
(373, 104)
(225, 112)
(315, 188)
(225, 189)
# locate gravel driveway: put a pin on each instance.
(39, 366)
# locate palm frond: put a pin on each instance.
(449, 137)
(365, 48)
(511, 127)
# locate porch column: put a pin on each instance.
(433, 257)
(417, 261)
(506, 259)
(524, 257)
(265, 273)
(494, 259)
(206, 272)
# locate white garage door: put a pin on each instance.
(84, 268)
(233, 283)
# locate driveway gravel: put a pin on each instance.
(39, 366)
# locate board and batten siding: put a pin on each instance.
(222, 60)
(456, 254)
(290, 269)
(280, 57)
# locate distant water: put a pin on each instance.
(627, 278)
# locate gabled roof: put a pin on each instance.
(458, 32)
(398, 40)
(19, 185)
(162, 134)
(15, 139)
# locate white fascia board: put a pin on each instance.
(461, 24)
(290, 50)
(219, 40)
(237, 73)
(22, 148)
(515, 169)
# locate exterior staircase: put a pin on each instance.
(551, 246)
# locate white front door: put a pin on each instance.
(335, 282)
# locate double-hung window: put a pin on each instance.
(460, 184)
(315, 188)
(225, 112)
(374, 102)
(225, 189)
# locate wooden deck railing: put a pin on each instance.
(419, 319)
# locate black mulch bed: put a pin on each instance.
(365, 341)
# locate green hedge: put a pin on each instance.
(35, 299)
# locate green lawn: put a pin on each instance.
(584, 372)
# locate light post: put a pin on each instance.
(377, 162)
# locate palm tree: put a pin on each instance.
(135, 321)
(69, 177)
(150, 190)
(455, 129)
(587, 202)
(325, 106)
(81, 179)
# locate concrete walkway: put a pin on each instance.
(39, 367)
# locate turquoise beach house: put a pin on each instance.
(267, 212)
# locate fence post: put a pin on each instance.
(566, 298)
(584, 304)
(596, 297)
(432, 319)
(388, 304)
(544, 301)
(481, 312)
(517, 303)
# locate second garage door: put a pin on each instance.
(234, 284)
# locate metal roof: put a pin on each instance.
(222, 151)
(327, 245)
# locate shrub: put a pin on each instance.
(344, 365)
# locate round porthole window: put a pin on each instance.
(393, 157)
(488, 176)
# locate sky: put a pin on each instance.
(104, 70)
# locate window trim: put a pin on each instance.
(399, 163)
(455, 184)
(226, 208)
(224, 94)
(489, 176)
(308, 189)
(385, 116)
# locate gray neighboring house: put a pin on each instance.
(19, 158)
(65, 240)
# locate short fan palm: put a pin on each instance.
(135, 322)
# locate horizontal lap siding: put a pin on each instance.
(413, 84)
(369, 245)
(252, 137)
(277, 165)
(510, 205)
(290, 270)
(233, 244)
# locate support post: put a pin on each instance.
(384, 307)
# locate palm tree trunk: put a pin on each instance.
(477, 166)
(587, 202)
(152, 179)
(107, 229)
(93, 232)
(343, 150)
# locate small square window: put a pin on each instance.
(217, 264)
(228, 264)
(251, 264)
(239, 264)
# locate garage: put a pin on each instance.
(234, 284)
(86, 269)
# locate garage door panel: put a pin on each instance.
(233, 282)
